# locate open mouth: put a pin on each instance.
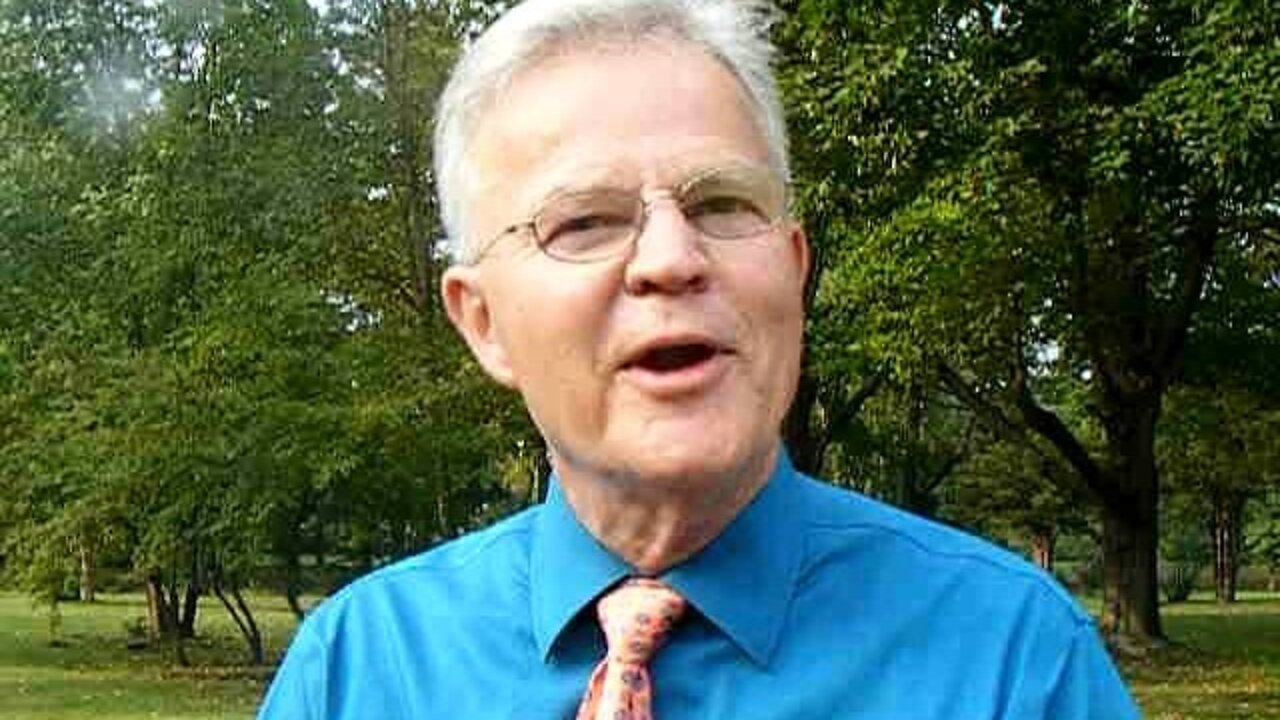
(674, 358)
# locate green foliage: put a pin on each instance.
(1263, 532)
(222, 358)
(220, 352)
(1005, 491)
(1218, 456)
(1048, 208)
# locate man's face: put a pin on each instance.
(676, 360)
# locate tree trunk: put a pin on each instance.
(254, 636)
(88, 572)
(190, 606)
(805, 442)
(1228, 539)
(1130, 585)
(180, 650)
(411, 164)
(1126, 488)
(293, 598)
(243, 617)
(158, 625)
(1131, 511)
(55, 623)
(293, 584)
(162, 616)
(542, 471)
(1043, 540)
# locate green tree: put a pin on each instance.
(1007, 491)
(222, 353)
(1028, 200)
(1218, 455)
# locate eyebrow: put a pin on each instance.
(582, 181)
(604, 177)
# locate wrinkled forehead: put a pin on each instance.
(654, 164)
(638, 114)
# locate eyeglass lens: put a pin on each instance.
(600, 223)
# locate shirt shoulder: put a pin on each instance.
(411, 619)
(917, 550)
(953, 625)
(491, 564)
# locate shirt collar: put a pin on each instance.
(743, 581)
(568, 568)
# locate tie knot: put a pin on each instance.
(636, 616)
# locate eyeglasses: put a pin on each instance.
(598, 224)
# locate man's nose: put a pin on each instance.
(669, 255)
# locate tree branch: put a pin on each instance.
(943, 472)
(988, 413)
(1197, 261)
(1087, 478)
(1049, 426)
(845, 413)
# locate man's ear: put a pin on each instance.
(470, 312)
(800, 249)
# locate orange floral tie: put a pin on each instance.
(635, 618)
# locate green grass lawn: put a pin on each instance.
(94, 675)
(1223, 663)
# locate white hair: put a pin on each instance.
(735, 32)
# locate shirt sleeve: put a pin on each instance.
(300, 685)
(1087, 685)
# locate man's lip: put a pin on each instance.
(635, 355)
(681, 381)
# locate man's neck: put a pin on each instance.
(654, 527)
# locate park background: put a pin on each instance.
(1044, 308)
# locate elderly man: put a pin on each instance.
(614, 177)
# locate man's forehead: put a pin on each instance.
(654, 164)
(650, 115)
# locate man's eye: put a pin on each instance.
(727, 216)
(577, 229)
(583, 234)
(587, 223)
(721, 205)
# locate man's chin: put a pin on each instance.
(693, 463)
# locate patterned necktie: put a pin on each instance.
(635, 618)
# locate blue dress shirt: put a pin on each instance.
(814, 603)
